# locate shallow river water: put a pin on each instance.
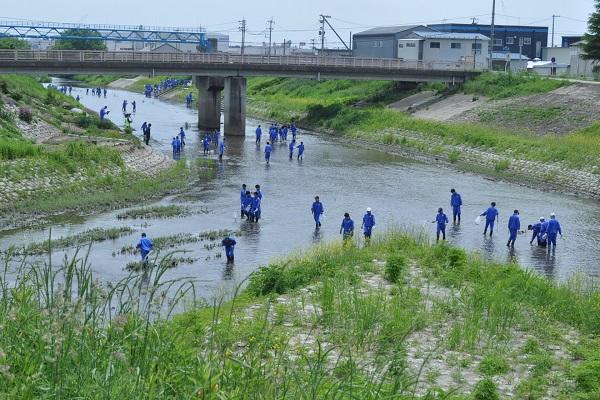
(347, 178)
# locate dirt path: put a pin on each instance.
(124, 83)
(449, 107)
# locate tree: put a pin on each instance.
(79, 44)
(591, 47)
(14, 43)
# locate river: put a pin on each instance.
(401, 193)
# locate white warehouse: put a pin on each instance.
(429, 47)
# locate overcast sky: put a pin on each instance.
(298, 20)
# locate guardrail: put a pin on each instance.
(84, 56)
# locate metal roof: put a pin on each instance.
(388, 30)
(450, 35)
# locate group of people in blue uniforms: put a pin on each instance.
(213, 137)
(157, 88)
(97, 91)
(133, 106)
(251, 203)
(545, 232)
(178, 142)
(347, 227)
(280, 134)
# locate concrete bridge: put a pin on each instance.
(214, 73)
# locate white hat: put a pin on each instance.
(553, 215)
(542, 219)
(368, 209)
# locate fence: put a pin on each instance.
(84, 56)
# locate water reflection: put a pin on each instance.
(317, 236)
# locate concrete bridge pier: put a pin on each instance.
(209, 101)
(235, 106)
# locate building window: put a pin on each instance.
(497, 42)
(527, 41)
(476, 47)
(434, 45)
(510, 40)
(411, 45)
(455, 45)
(378, 43)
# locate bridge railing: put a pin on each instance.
(85, 56)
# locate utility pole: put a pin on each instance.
(492, 33)
(322, 32)
(284, 47)
(553, 18)
(243, 29)
(313, 41)
(270, 22)
(324, 17)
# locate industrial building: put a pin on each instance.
(382, 42)
(431, 47)
(527, 40)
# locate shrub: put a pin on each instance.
(5, 114)
(395, 266)
(269, 279)
(319, 112)
(502, 165)
(587, 376)
(485, 390)
(4, 87)
(16, 96)
(105, 124)
(51, 98)
(453, 156)
(493, 364)
(25, 114)
(83, 120)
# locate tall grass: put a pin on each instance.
(14, 149)
(66, 336)
(498, 85)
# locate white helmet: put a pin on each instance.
(553, 215)
(368, 209)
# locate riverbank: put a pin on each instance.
(399, 318)
(57, 156)
(567, 162)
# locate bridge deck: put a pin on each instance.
(101, 62)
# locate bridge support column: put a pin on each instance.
(235, 106)
(209, 101)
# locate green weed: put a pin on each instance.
(485, 389)
(453, 156)
(170, 211)
(493, 364)
(501, 165)
(395, 267)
